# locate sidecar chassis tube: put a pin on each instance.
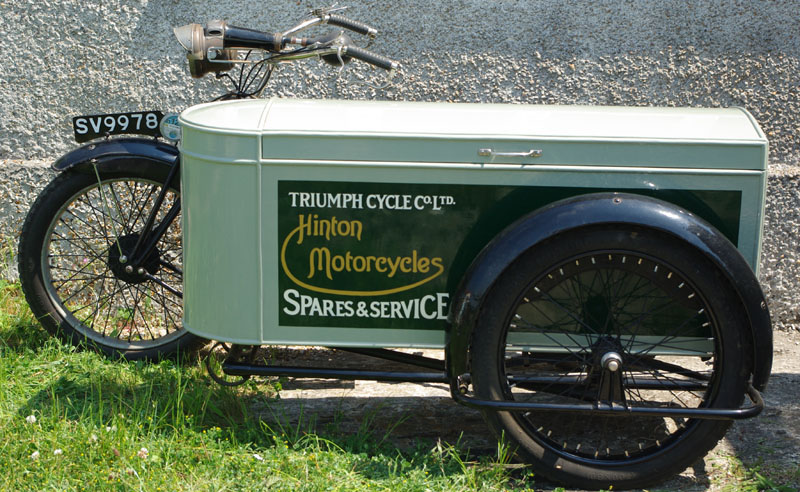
(604, 209)
(234, 369)
(440, 376)
(616, 409)
(613, 409)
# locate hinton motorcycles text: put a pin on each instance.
(324, 265)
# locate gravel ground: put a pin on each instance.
(414, 415)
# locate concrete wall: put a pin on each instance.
(62, 58)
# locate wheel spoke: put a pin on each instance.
(164, 285)
(108, 307)
(617, 297)
(169, 266)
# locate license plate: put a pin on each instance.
(94, 126)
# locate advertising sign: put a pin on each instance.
(387, 255)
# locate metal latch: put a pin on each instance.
(492, 153)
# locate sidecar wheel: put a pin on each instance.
(654, 305)
(72, 275)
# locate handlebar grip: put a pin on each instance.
(356, 26)
(370, 57)
(241, 37)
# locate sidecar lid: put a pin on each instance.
(420, 132)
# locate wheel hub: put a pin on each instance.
(119, 260)
(607, 354)
(611, 361)
(608, 370)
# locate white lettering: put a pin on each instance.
(428, 307)
(290, 296)
(110, 123)
(151, 121)
(442, 299)
(304, 199)
(96, 124)
(424, 310)
(80, 126)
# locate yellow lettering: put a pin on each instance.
(323, 262)
(393, 265)
(359, 260)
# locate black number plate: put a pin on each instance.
(102, 125)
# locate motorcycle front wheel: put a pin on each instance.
(73, 248)
(623, 315)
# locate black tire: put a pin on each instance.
(69, 244)
(649, 297)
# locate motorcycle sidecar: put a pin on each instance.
(589, 271)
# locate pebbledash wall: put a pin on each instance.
(61, 58)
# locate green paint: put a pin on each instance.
(388, 255)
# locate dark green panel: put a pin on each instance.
(387, 255)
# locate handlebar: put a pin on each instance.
(241, 37)
(214, 48)
(355, 26)
(370, 57)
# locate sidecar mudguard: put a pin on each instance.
(118, 151)
(606, 209)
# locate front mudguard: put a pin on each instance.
(119, 152)
(598, 210)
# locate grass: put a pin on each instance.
(72, 420)
(757, 478)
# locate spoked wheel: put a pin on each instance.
(625, 317)
(75, 267)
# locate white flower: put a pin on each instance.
(143, 453)
(258, 457)
(58, 452)
(93, 438)
(35, 455)
(31, 419)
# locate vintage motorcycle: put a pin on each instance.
(588, 271)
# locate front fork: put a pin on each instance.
(149, 237)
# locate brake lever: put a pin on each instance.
(385, 85)
(303, 25)
(323, 11)
(317, 18)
